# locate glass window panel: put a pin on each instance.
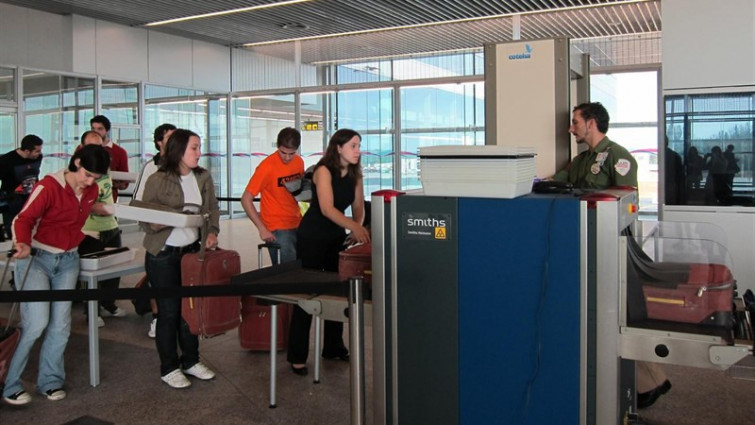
(7, 130)
(256, 122)
(370, 112)
(317, 125)
(713, 135)
(631, 99)
(57, 109)
(449, 114)
(7, 85)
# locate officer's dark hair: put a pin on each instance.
(93, 158)
(30, 141)
(289, 137)
(102, 120)
(160, 133)
(596, 111)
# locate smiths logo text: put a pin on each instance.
(525, 55)
(427, 227)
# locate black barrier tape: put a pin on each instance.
(277, 288)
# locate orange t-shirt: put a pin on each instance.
(278, 208)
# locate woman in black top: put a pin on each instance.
(337, 185)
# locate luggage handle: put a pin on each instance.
(723, 287)
(14, 308)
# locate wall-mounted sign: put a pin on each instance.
(312, 126)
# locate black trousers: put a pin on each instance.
(321, 254)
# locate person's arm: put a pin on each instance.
(247, 202)
(210, 203)
(323, 183)
(151, 195)
(121, 165)
(27, 219)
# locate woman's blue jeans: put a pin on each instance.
(47, 271)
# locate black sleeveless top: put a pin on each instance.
(314, 224)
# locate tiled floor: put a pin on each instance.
(131, 391)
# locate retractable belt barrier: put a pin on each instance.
(294, 280)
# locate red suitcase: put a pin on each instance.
(9, 335)
(356, 261)
(210, 316)
(706, 297)
(254, 330)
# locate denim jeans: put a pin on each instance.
(172, 332)
(287, 241)
(47, 271)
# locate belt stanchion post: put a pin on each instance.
(318, 346)
(356, 341)
(273, 351)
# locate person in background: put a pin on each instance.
(337, 185)
(280, 215)
(19, 172)
(603, 165)
(50, 221)
(118, 155)
(674, 178)
(178, 183)
(160, 138)
(101, 229)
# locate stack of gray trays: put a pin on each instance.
(477, 171)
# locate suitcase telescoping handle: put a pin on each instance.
(13, 309)
(273, 245)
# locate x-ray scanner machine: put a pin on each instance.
(512, 311)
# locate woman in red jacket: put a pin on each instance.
(51, 222)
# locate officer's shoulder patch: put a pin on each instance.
(623, 166)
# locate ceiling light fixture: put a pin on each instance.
(225, 12)
(454, 21)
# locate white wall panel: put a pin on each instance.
(84, 46)
(212, 66)
(170, 60)
(254, 71)
(35, 39)
(121, 52)
(708, 43)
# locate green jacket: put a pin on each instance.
(164, 190)
(607, 166)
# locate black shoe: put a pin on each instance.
(645, 400)
(343, 356)
(301, 371)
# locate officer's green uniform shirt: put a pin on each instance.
(606, 166)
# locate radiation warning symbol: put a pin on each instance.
(440, 233)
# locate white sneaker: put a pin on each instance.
(176, 379)
(118, 312)
(152, 328)
(200, 371)
(18, 399)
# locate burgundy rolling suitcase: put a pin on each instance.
(254, 331)
(9, 335)
(706, 297)
(356, 260)
(210, 316)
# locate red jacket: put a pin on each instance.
(118, 162)
(57, 214)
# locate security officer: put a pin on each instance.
(606, 163)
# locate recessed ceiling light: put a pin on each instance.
(293, 26)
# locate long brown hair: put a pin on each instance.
(332, 160)
(174, 152)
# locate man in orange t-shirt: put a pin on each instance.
(279, 214)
